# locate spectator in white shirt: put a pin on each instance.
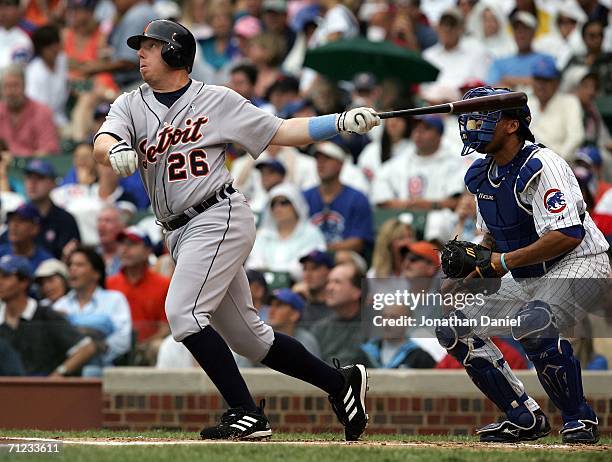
(337, 23)
(47, 74)
(15, 44)
(427, 178)
(489, 25)
(557, 117)
(458, 59)
(285, 233)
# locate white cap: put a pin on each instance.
(571, 9)
(526, 18)
(51, 267)
(331, 150)
(167, 10)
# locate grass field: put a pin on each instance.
(173, 446)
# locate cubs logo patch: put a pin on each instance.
(554, 201)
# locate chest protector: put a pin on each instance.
(509, 220)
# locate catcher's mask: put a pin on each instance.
(476, 128)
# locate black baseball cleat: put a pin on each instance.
(349, 404)
(580, 432)
(238, 424)
(508, 432)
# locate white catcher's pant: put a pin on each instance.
(209, 285)
(572, 288)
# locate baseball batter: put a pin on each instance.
(555, 264)
(175, 130)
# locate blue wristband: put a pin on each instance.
(322, 127)
(503, 262)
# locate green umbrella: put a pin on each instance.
(342, 59)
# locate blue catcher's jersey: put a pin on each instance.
(535, 193)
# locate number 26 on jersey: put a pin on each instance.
(179, 164)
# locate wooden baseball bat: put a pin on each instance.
(512, 100)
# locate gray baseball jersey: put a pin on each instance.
(181, 149)
(181, 153)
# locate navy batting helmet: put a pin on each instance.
(179, 44)
(476, 128)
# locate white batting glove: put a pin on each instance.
(123, 158)
(359, 120)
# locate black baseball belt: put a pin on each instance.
(183, 218)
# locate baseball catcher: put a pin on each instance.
(538, 234)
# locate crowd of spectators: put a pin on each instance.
(328, 214)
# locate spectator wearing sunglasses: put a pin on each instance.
(599, 61)
(420, 260)
(285, 233)
(421, 268)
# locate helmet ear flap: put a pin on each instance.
(171, 55)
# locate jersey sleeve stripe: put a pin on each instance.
(114, 135)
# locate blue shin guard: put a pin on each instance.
(558, 369)
(488, 370)
(498, 383)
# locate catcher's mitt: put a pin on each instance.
(460, 258)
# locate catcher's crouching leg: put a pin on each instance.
(558, 371)
(489, 371)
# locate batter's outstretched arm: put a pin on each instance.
(306, 130)
(293, 132)
(550, 245)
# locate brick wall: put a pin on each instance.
(307, 411)
(45, 403)
(388, 414)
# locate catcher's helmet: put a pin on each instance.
(476, 128)
(179, 44)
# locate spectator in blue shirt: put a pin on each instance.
(102, 314)
(57, 226)
(342, 213)
(515, 71)
(23, 228)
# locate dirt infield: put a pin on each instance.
(450, 445)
